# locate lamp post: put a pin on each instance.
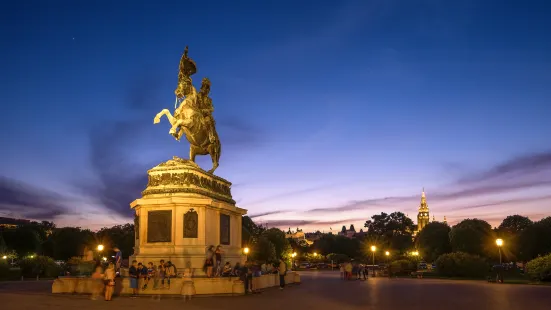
(499, 243)
(373, 249)
(100, 247)
(246, 251)
(293, 256)
(387, 254)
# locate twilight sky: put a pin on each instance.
(328, 111)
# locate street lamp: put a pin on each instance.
(104, 259)
(373, 249)
(4, 257)
(246, 251)
(100, 247)
(293, 262)
(387, 253)
(499, 243)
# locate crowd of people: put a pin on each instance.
(158, 276)
(353, 271)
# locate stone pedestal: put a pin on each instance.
(182, 212)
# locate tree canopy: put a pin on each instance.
(396, 229)
(434, 240)
(473, 236)
(280, 242)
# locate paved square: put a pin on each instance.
(319, 290)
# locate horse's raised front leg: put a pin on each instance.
(166, 112)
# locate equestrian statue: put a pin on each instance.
(193, 114)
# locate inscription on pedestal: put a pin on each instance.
(224, 229)
(190, 224)
(159, 226)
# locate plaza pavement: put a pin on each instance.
(319, 290)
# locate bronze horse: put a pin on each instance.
(188, 119)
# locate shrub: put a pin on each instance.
(461, 264)
(4, 269)
(42, 266)
(539, 269)
(402, 267)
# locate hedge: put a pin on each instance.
(460, 264)
(539, 269)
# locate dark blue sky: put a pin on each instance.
(322, 106)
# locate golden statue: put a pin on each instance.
(193, 115)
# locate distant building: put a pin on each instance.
(11, 223)
(351, 232)
(299, 236)
(423, 217)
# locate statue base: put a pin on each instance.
(183, 211)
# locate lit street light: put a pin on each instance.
(499, 243)
(293, 262)
(373, 249)
(387, 253)
(100, 247)
(246, 251)
(4, 257)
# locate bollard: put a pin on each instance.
(21, 278)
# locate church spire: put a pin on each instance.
(423, 217)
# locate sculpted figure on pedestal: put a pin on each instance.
(193, 115)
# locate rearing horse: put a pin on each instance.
(188, 120)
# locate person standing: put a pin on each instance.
(97, 277)
(162, 272)
(282, 273)
(189, 287)
(244, 276)
(170, 271)
(134, 275)
(218, 256)
(209, 261)
(109, 281)
(118, 261)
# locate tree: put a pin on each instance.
(328, 244)
(343, 230)
(3, 245)
(510, 230)
(280, 242)
(67, 242)
(24, 240)
(473, 236)
(533, 240)
(352, 228)
(514, 224)
(121, 236)
(337, 258)
(264, 250)
(250, 231)
(434, 240)
(395, 228)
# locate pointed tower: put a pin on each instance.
(423, 217)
